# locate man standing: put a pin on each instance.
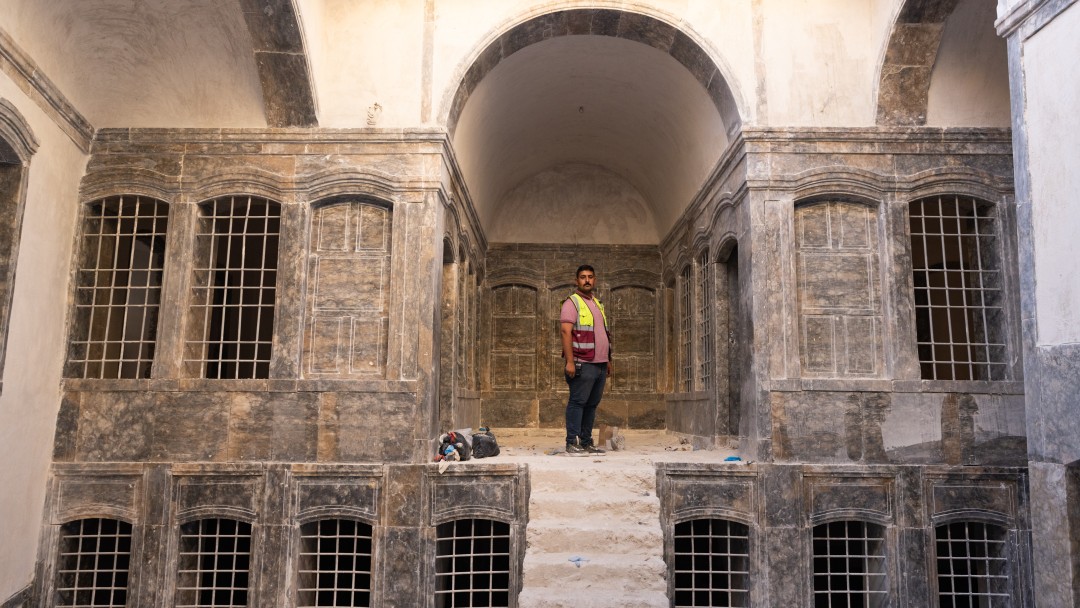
(586, 349)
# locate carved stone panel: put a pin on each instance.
(839, 288)
(513, 337)
(348, 291)
(632, 312)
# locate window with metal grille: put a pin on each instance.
(704, 318)
(118, 288)
(236, 250)
(712, 563)
(972, 565)
(334, 563)
(472, 564)
(956, 264)
(94, 558)
(849, 565)
(686, 345)
(214, 563)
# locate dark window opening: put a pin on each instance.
(335, 563)
(214, 563)
(93, 564)
(235, 288)
(472, 564)
(118, 288)
(959, 312)
(712, 563)
(973, 566)
(849, 565)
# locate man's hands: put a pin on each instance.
(571, 369)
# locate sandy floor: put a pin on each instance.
(640, 447)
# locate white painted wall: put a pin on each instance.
(145, 63)
(820, 62)
(36, 339)
(366, 53)
(1053, 122)
(970, 82)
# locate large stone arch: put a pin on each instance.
(904, 78)
(282, 62)
(614, 23)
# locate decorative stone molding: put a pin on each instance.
(904, 78)
(282, 62)
(16, 132)
(627, 25)
(26, 74)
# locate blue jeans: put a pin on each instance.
(586, 389)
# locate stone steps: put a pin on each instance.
(594, 536)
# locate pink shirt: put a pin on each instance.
(569, 315)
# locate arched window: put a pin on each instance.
(686, 323)
(94, 562)
(957, 275)
(17, 146)
(234, 288)
(706, 295)
(972, 565)
(472, 564)
(214, 563)
(850, 565)
(712, 563)
(334, 564)
(118, 288)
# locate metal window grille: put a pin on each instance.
(234, 287)
(849, 565)
(118, 288)
(973, 566)
(214, 563)
(712, 563)
(472, 564)
(335, 563)
(94, 558)
(956, 263)
(705, 322)
(686, 365)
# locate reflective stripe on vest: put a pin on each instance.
(583, 336)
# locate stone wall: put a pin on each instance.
(353, 370)
(403, 504)
(781, 504)
(522, 368)
(825, 305)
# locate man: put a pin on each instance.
(587, 351)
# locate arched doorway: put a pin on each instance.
(583, 136)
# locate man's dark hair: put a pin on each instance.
(584, 267)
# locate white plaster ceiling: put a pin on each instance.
(619, 105)
(144, 63)
(970, 82)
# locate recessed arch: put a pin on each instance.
(613, 23)
(926, 41)
(621, 112)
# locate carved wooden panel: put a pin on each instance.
(632, 313)
(839, 289)
(513, 337)
(348, 291)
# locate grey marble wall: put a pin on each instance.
(781, 504)
(402, 503)
(522, 367)
(825, 298)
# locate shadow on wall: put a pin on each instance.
(575, 203)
